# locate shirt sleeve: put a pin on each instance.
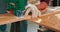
(29, 5)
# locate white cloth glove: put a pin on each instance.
(33, 9)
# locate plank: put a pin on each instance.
(50, 20)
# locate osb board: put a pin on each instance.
(50, 20)
(9, 18)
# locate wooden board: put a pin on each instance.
(49, 20)
(9, 18)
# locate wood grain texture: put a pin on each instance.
(48, 20)
(9, 18)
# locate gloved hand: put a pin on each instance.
(33, 10)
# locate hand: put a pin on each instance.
(33, 10)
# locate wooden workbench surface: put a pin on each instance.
(50, 20)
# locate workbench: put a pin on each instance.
(50, 20)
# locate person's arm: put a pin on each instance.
(32, 11)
